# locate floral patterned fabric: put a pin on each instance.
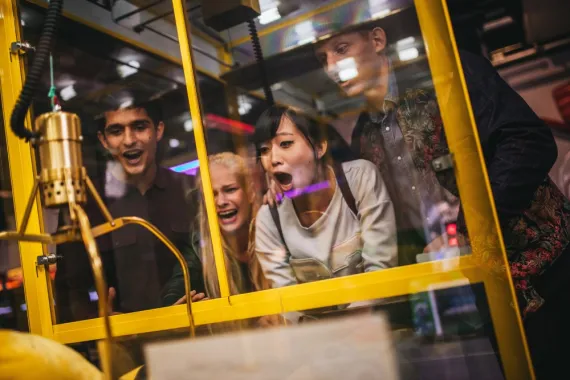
(533, 241)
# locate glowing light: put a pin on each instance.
(382, 13)
(131, 68)
(188, 125)
(67, 93)
(174, 143)
(452, 229)
(244, 105)
(408, 54)
(269, 16)
(406, 41)
(126, 103)
(186, 167)
(306, 32)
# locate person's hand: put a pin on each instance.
(195, 298)
(110, 298)
(269, 321)
(438, 243)
(273, 195)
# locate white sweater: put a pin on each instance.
(338, 243)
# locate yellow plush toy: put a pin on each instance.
(30, 357)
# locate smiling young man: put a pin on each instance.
(403, 134)
(137, 264)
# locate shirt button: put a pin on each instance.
(399, 158)
(413, 188)
(387, 129)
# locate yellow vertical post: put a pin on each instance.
(184, 38)
(232, 99)
(476, 196)
(22, 174)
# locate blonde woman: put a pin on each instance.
(236, 205)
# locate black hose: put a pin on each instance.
(37, 68)
(260, 62)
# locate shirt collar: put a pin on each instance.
(391, 98)
(161, 180)
(162, 177)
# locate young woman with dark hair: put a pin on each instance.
(334, 219)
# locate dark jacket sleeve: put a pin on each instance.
(174, 288)
(518, 146)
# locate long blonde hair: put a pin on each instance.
(236, 280)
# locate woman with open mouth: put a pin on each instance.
(236, 205)
(333, 220)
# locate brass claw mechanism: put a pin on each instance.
(63, 182)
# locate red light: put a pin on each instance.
(452, 229)
(453, 242)
(228, 125)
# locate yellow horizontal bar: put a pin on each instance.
(292, 21)
(374, 285)
(136, 43)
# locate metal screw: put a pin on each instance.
(49, 259)
(21, 47)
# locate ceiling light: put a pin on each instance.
(405, 41)
(269, 16)
(382, 13)
(126, 103)
(498, 23)
(188, 125)
(305, 32)
(174, 143)
(131, 68)
(244, 105)
(67, 93)
(408, 54)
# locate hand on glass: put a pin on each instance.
(113, 293)
(195, 298)
(110, 298)
(269, 321)
(273, 195)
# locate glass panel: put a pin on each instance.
(13, 311)
(355, 146)
(353, 153)
(357, 152)
(139, 151)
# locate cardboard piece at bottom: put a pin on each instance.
(350, 348)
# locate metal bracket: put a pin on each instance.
(442, 163)
(21, 47)
(48, 260)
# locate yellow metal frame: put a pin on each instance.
(138, 44)
(472, 179)
(292, 21)
(22, 176)
(488, 263)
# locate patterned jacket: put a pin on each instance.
(519, 151)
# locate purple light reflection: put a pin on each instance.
(305, 190)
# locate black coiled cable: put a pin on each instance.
(260, 62)
(36, 70)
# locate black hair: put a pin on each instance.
(152, 109)
(315, 132)
(269, 121)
